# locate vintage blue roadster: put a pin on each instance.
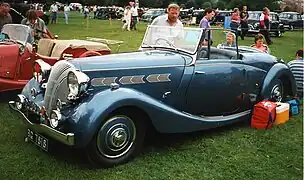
(105, 104)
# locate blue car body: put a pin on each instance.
(177, 92)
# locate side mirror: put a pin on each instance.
(56, 36)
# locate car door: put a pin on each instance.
(299, 22)
(216, 87)
(274, 22)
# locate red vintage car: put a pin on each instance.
(17, 56)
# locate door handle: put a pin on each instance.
(200, 72)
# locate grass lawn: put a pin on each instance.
(233, 152)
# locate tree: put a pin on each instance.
(207, 5)
(221, 5)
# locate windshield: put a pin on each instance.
(16, 32)
(149, 12)
(178, 38)
(254, 16)
(285, 16)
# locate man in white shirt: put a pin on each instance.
(95, 11)
(54, 10)
(173, 31)
(134, 11)
(66, 13)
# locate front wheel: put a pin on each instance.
(118, 140)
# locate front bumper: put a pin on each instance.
(68, 139)
(11, 84)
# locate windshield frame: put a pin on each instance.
(14, 26)
(147, 46)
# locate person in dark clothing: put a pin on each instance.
(244, 21)
(265, 25)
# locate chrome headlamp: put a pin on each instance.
(21, 99)
(77, 83)
(41, 70)
(55, 118)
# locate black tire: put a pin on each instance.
(119, 139)
(276, 91)
(278, 33)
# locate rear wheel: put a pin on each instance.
(277, 91)
(117, 141)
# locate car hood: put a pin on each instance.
(153, 73)
(133, 60)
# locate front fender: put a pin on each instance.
(89, 115)
(282, 72)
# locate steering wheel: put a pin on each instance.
(167, 41)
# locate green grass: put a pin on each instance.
(233, 152)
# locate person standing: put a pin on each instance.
(235, 20)
(244, 21)
(54, 10)
(265, 25)
(205, 24)
(134, 11)
(66, 13)
(169, 19)
(86, 13)
(127, 18)
(5, 17)
(37, 26)
(95, 11)
(297, 69)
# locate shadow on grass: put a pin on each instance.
(155, 142)
(5, 97)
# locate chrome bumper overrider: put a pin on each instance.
(68, 139)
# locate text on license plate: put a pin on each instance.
(39, 140)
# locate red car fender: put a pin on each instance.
(90, 53)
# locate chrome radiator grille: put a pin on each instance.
(57, 85)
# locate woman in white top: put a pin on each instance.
(127, 18)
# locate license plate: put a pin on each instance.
(39, 140)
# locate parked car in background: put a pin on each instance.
(17, 56)
(291, 20)
(197, 16)
(220, 17)
(106, 104)
(276, 26)
(151, 14)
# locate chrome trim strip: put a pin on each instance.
(107, 81)
(154, 78)
(68, 139)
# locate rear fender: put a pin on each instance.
(282, 72)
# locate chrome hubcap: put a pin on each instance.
(118, 137)
(276, 93)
